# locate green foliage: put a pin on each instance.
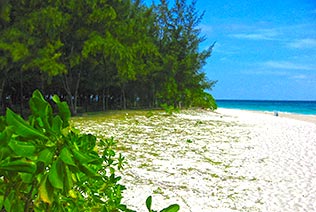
(210, 101)
(189, 141)
(9, 44)
(181, 80)
(117, 50)
(149, 114)
(171, 208)
(169, 109)
(204, 100)
(48, 59)
(5, 11)
(46, 165)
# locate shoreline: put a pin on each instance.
(300, 117)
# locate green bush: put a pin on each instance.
(47, 165)
(206, 100)
(169, 109)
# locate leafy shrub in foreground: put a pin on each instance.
(46, 165)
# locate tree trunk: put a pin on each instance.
(67, 89)
(153, 96)
(71, 85)
(103, 100)
(86, 102)
(68, 82)
(76, 93)
(107, 98)
(123, 97)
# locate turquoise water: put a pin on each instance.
(299, 107)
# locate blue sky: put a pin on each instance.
(265, 49)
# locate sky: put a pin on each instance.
(265, 49)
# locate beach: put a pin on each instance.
(228, 160)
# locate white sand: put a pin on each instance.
(231, 160)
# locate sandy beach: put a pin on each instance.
(230, 160)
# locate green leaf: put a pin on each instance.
(23, 149)
(1, 201)
(5, 136)
(12, 202)
(56, 174)
(18, 166)
(21, 127)
(41, 110)
(63, 109)
(57, 124)
(66, 157)
(46, 156)
(148, 203)
(8, 201)
(3, 123)
(40, 122)
(64, 113)
(56, 99)
(88, 170)
(171, 208)
(87, 142)
(5, 152)
(27, 177)
(46, 191)
(68, 181)
(83, 158)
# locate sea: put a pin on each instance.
(297, 107)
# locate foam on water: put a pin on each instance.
(299, 107)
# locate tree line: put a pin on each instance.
(103, 54)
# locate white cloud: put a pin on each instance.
(300, 76)
(303, 43)
(305, 79)
(287, 65)
(261, 34)
(266, 72)
(251, 36)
